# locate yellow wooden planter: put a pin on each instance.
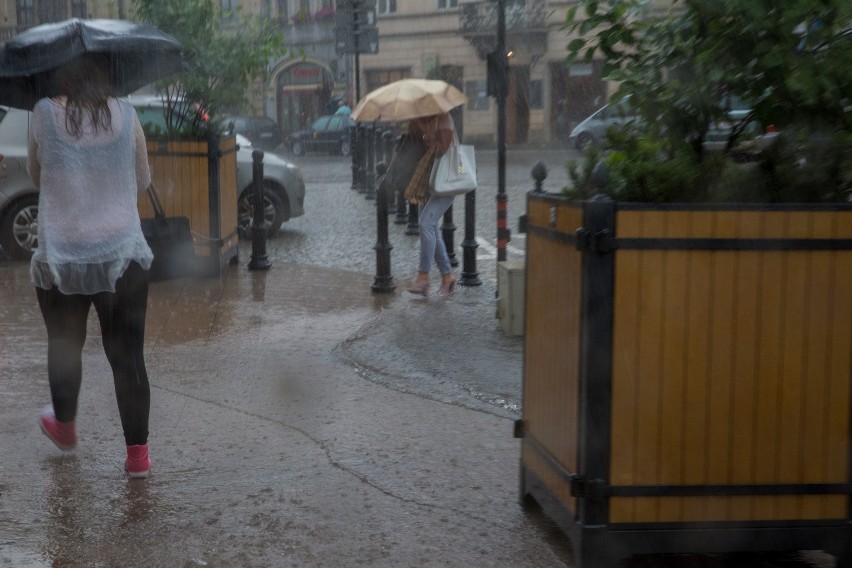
(198, 180)
(688, 376)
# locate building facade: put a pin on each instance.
(18, 15)
(439, 39)
(445, 39)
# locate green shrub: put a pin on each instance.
(681, 64)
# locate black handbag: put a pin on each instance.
(170, 239)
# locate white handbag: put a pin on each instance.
(454, 173)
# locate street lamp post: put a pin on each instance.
(503, 234)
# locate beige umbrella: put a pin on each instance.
(406, 99)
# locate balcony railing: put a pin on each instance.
(481, 17)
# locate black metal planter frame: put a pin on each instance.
(597, 541)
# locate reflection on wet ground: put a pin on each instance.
(268, 448)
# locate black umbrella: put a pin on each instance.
(137, 54)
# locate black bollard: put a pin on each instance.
(469, 275)
(370, 191)
(539, 174)
(401, 205)
(383, 281)
(259, 260)
(401, 208)
(362, 158)
(380, 147)
(387, 139)
(386, 142)
(353, 134)
(413, 228)
(448, 229)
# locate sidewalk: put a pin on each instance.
(296, 421)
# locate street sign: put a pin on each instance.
(368, 41)
(355, 27)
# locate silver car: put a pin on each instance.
(283, 186)
(18, 196)
(592, 130)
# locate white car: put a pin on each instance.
(283, 184)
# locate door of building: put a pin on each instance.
(518, 105)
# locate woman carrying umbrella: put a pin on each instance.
(87, 155)
(437, 133)
(425, 104)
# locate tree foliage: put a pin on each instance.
(682, 61)
(222, 60)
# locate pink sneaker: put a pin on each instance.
(63, 434)
(138, 464)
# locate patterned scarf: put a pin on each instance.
(417, 190)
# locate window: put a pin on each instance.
(151, 118)
(283, 14)
(25, 13)
(230, 6)
(321, 124)
(536, 94)
(448, 4)
(386, 7)
(379, 77)
(477, 96)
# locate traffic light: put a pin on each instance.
(497, 84)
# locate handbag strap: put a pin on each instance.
(159, 213)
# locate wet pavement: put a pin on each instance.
(271, 446)
(298, 419)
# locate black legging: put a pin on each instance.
(122, 318)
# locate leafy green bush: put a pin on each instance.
(224, 52)
(681, 65)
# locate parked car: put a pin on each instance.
(592, 131)
(18, 195)
(329, 133)
(261, 130)
(283, 184)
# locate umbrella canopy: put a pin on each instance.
(407, 99)
(137, 54)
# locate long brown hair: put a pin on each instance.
(86, 84)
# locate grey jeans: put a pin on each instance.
(431, 244)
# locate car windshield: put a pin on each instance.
(321, 123)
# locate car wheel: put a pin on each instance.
(345, 147)
(274, 211)
(297, 148)
(585, 140)
(19, 228)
